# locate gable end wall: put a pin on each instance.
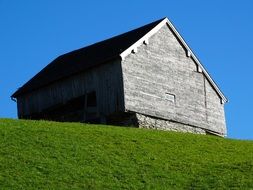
(160, 71)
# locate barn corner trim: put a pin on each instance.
(145, 39)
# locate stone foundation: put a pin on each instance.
(148, 122)
(160, 124)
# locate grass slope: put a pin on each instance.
(51, 155)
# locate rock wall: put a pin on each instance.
(132, 119)
(160, 124)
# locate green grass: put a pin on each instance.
(51, 155)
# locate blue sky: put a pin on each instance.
(33, 33)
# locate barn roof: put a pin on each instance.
(93, 55)
(85, 58)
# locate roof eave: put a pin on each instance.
(20, 91)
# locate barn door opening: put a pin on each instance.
(91, 108)
(71, 110)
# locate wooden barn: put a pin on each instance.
(147, 77)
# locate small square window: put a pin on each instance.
(170, 97)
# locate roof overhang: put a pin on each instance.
(190, 53)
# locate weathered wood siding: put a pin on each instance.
(161, 81)
(106, 80)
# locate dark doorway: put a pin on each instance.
(91, 109)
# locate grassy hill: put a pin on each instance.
(51, 155)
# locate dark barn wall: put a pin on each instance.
(68, 95)
(161, 81)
